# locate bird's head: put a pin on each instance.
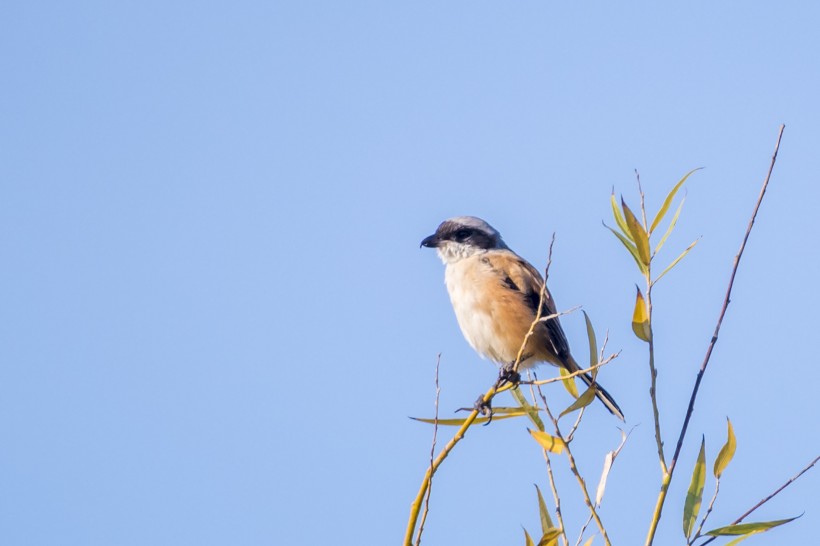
(462, 237)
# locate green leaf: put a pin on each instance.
(695, 494)
(569, 382)
(583, 401)
(550, 443)
(675, 262)
(550, 537)
(640, 318)
(546, 521)
(726, 452)
(671, 226)
(630, 247)
(746, 528)
(593, 345)
(528, 539)
(619, 218)
(531, 410)
(498, 414)
(639, 235)
(668, 201)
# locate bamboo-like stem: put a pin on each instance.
(415, 506)
(656, 516)
(653, 374)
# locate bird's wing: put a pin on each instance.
(519, 275)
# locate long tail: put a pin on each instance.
(600, 392)
(604, 397)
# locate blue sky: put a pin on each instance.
(214, 314)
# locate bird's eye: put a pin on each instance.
(462, 234)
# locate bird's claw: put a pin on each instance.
(508, 374)
(483, 408)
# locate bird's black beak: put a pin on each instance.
(430, 242)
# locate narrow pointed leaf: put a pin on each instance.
(671, 226)
(630, 247)
(589, 541)
(640, 318)
(498, 414)
(528, 539)
(668, 201)
(550, 537)
(593, 345)
(543, 513)
(675, 262)
(619, 218)
(569, 382)
(639, 235)
(550, 443)
(694, 495)
(746, 528)
(583, 401)
(532, 411)
(726, 452)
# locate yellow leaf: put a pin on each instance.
(583, 401)
(630, 247)
(546, 521)
(694, 495)
(668, 201)
(593, 345)
(528, 539)
(619, 218)
(589, 541)
(498, 414)
(640, 318)
(639, 235)
(532, 411)
(550, 443)
(569, 383)
(726, 452)
(747, 528)
(671, 226)
(550, 537)
(676, 260)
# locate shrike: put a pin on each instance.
(495, 294)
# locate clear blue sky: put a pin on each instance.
(214, 314)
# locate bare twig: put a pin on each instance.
(432, 456)
(538, 311)
(668, 477)
(604, 362)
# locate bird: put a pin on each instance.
(495, 294)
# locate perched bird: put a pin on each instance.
(495, 294)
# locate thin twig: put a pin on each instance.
(767, 499)
(432, 457)
(668, 478)
(575, 472)
(538, 311)
(583, 530)
(557, 499)
(708, 511)
(604, 362)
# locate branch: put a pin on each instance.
(668, 477)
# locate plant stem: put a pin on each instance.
(656, 516)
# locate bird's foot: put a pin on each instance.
(482, 407)
(509, 375)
